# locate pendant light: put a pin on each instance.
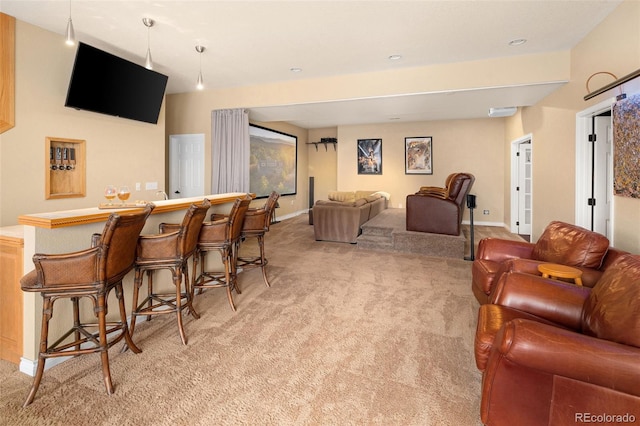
(200, 82)
(148, 22)
(71, 34)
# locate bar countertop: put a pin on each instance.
(65, 218)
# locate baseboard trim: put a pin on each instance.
(482, 223)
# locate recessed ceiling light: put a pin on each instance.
(395, 57)
(517, 42)
(295, 69)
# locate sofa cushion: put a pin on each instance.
(612, 311)
(332, 203)
(363, 194)
(356, 203)
(342, 196)
(571, 245)
(384, 194)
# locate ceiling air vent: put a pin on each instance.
(502, 112)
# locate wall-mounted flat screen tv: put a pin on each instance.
(107, 84)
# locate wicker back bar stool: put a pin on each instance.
(92, 274)
(256, 225)
(223, 236)
(170, 250)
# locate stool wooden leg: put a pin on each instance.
(227, 277)
(177, 279)
(194, 278)
(189, 292)
(201, 276)
(149, 290)
(263, 261)
(137, 282)
(47, 307)
(104, 347)
(76, 320)
(123, 318)
(232, 266)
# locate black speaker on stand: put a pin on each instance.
(311, 199)
(471, 204)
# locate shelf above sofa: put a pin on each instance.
(325, 142)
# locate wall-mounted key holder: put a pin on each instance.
(66, 174)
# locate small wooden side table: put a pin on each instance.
(552, 270)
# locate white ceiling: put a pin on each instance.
(258, 42)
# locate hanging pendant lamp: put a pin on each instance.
(70, 38)
(148, 62)
(200, 81)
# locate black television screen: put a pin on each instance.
(104, 83)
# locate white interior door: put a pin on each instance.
(522, 185)
(186, 166)
(602, 180)
(524, 188)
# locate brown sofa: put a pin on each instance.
(439, 210)
(553, 353)
(560, 243)
(339, 218)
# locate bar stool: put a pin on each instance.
(90, 273)
(223, 236)
(256, 225)
(170, 249)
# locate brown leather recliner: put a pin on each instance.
(561, 243)
(439, 210)
(553, 353)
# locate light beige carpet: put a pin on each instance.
(343, 337)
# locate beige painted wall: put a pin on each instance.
(474, 146)
(323, 162)
(614, 46)
(191, 112)
(118, 151)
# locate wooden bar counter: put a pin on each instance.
(69, 231)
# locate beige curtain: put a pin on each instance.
(229, 151)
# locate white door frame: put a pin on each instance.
(583, 165)
(514, 179)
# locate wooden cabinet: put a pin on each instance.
(65, 168)
(11, 304)
(7, 71)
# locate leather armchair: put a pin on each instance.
(555, 353)
(439, 210)
(560, 243)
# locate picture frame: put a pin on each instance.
(418, 155)
(369, 156)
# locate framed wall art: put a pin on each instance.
(418, 156)
(626, 141)
(369, 156)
